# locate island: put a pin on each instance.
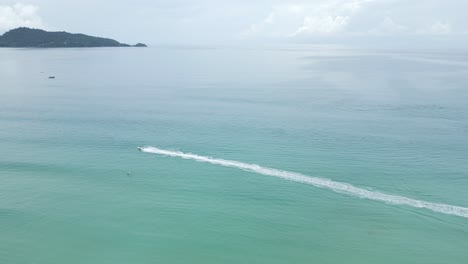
(24, 37)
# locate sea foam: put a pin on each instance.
(339, 187)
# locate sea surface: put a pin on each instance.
(246, 151)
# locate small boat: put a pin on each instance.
(51, 77)
(140, 148)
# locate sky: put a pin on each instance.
(271, 21)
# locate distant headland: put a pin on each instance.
(36, 38)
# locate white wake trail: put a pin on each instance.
(339, 187)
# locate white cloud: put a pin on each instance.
(303, 18)
(258, 27)
(18, 15)
(309, 17)
(440, 28)
(322, 25)
(388, 27)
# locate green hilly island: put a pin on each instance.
(36, 38)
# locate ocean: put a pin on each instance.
(279, 154)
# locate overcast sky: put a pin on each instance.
(208, 21)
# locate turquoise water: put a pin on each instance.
(75, 189)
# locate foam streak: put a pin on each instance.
(324, 183)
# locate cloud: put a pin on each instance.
(322, 25)
(440, 28)
(322, 18)
(207, 21)
(388, 27)
(259, 27)
(18, 15)
(309, 17)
